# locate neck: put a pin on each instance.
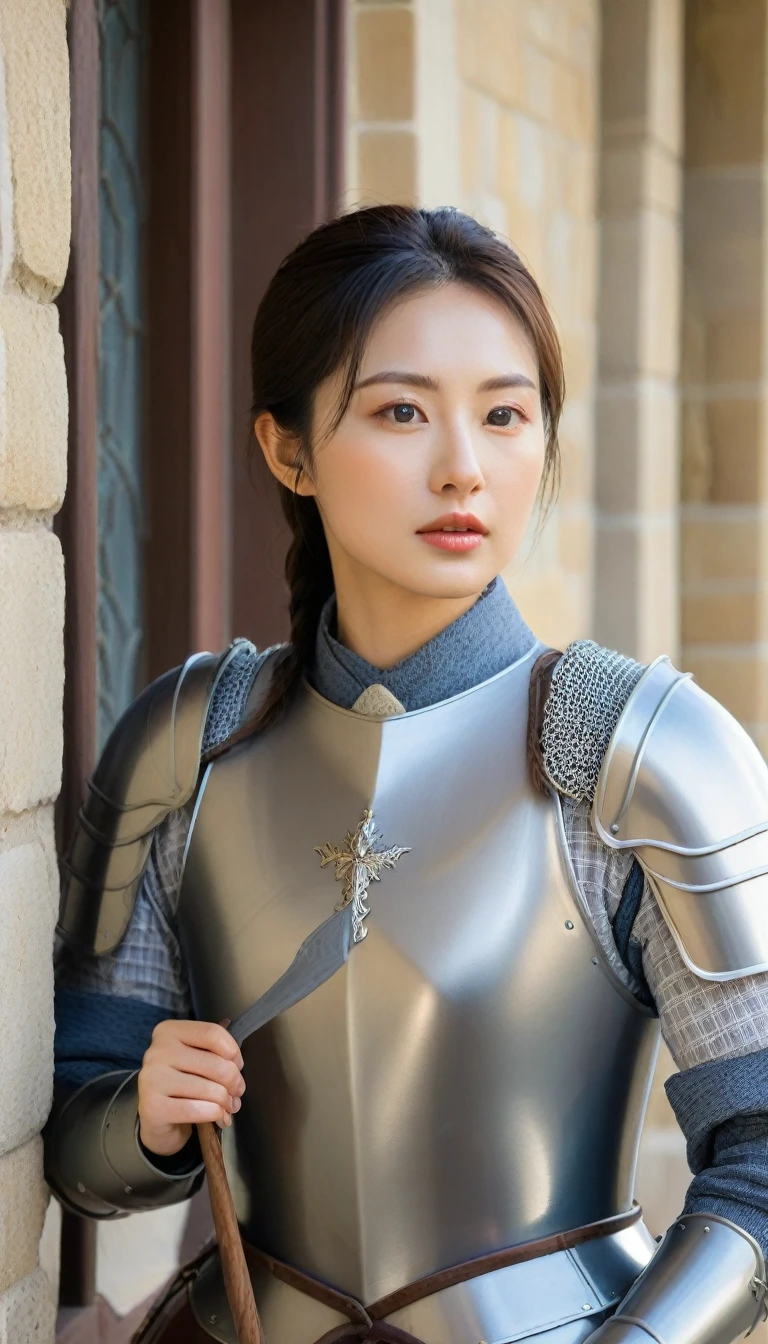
(385, 624)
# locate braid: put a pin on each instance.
(310, 582)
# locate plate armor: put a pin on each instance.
(474, 1077)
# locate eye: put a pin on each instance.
(503, 417)
(402, 413)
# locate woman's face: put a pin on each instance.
(429, 480)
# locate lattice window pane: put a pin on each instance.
(121, 519)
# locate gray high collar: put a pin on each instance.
(485, 640)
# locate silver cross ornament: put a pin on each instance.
(358, 863)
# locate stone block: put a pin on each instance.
(638, 175)
(736, 450)
(719, 206)
(23, 1200)
(28, 907)
(626, 35)
(725, 86)
(31, 668)
(542, 76)
(531, 185)
(578, 342)
(722, 543)
(660, 296)
(732, 349)
(33, 406)
(579, 181)
(34, 150)
(574, 111)
(387, 167)
(507, 167)
(28, 1311)
(619, 312)
(636, 586)
(385, 64)
(730, 616)
(639, 296)
(637, 460)
(490, 48)
(576, 541)
(735, 675)
(665, 74)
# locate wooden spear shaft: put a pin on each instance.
(237, 1280)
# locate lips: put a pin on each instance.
(455, 522)
(457, 532)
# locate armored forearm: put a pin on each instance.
(704, 1285)
(96, 1163)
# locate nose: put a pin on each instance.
(456, 469)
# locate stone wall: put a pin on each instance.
(34, 241)
(725, 481)
(492, 106)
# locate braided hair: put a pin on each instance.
(314, 320)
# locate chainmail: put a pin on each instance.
(590, 687)
(231, 695)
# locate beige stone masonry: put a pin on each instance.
(23, 1200)
(34, 248)
(31, 668)
(28, 910)
(27, 1311)
(382, 140)
(637, 459)
(725, 454)
(33, 406)
(34, 153)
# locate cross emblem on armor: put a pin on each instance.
(358, 863)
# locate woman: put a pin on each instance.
(541, 857)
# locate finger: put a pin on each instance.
(168, 1082)
(208, 1036)
(204, 1064)
(179, 1111)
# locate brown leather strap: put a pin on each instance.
(330, 1297)
(367, 1323)
(512, 1255)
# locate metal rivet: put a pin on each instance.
(615, 828)
(213, 1319)
(81, 1187)
(569, 923)
(707, 1229)
(129, 1189)
(681, 1226)
(587, 1306)
(595, 962)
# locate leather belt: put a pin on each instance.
(367, 1323)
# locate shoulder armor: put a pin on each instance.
(684, 787)
(148, 768)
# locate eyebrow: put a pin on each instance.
(401, 376)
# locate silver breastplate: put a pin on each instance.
(473, 1077)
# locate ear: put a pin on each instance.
(283, 455)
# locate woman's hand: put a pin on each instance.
(191, 1072)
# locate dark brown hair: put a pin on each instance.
(315, 319)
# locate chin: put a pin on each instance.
(464, 582)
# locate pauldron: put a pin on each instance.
(680, 783)
(148, 768)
